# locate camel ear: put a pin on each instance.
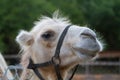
(24, 38)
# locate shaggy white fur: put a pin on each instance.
(3, 68)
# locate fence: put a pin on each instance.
(98, 70)
(86, 76)
(15, 70)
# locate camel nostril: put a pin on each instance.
(88, 33)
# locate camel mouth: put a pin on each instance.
(87, 54)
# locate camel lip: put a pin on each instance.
(86, 52)
(87, 55)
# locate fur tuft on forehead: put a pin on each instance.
(57, 18)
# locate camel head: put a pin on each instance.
(80, 44)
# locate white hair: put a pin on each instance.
(3, 67)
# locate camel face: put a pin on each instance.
(80, 43)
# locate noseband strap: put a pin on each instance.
(55, 60)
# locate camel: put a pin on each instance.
(80, 45)
(3, 68)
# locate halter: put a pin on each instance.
(55, 60)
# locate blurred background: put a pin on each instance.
(103, 16)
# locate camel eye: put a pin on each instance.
(48, 35)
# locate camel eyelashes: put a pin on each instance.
(48, 35)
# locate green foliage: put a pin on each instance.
(104, 16)
(16, 15)
(70, 8)
(101, 15)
